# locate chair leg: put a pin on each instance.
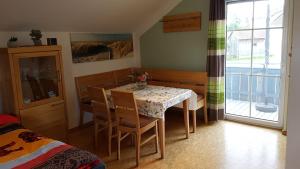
(132, 140)
(119, 145)
(96, 135)
(205, 114)
(156, 138)
(109, 139)
(194, 114)
(137, 148)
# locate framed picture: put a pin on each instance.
(92, 47)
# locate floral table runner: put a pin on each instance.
(153, 101)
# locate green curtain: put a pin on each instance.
(215, 59)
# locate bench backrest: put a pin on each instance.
(196, 81)
(105, 80)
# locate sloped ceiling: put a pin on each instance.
(76, 15)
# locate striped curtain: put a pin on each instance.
(215, 59)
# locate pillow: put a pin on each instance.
(5, 119)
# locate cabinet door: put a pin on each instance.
(38, 78)
(47, 120)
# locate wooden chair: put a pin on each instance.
(105, 80)
(130, 122)
(102, 116)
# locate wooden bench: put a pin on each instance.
(105, 80)
(196, 81)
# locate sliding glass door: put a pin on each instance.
(255, 31)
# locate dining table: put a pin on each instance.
(153, 101)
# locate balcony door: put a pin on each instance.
(254, 61)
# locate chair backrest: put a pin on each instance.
(99, 101)
(126, 107)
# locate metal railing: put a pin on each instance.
(254, 88)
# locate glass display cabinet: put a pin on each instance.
(34, 79)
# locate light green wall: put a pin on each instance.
(180, 50)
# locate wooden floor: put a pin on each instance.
(242, 108)
(221, 145)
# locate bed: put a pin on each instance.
(22, 148)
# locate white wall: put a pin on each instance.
(293, 139)
(72, 70)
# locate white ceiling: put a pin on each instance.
(75, 15)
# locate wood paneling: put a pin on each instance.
(182, 22)
(48, 120)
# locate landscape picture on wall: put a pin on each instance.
(92, 47)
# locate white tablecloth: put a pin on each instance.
(153, 101)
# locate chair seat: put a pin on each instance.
(199, 97)
(144, 121)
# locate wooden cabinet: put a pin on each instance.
(33, 89)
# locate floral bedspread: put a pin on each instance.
(22, 148)
(153, 101)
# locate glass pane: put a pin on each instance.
(239, 50)
(267, 51)
(237, 92)
(38, 78)
(267, 45)
(265, 96)
(268, 13)
(239, 15)
(238, 68)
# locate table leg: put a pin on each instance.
(186, 117)
(162, 143)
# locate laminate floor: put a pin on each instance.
(219, 145)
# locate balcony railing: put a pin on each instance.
(256, 87)
(244, 91)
